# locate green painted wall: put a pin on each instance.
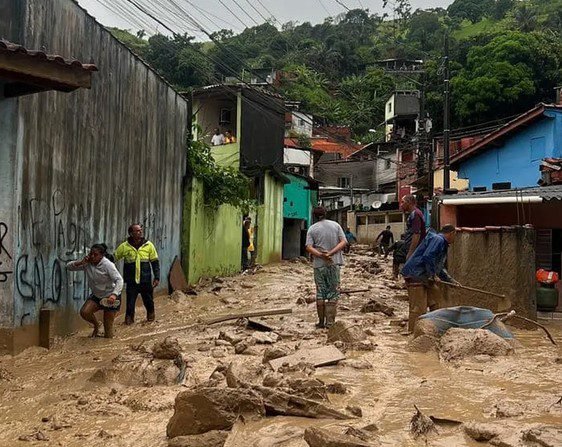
(212, 238)
(297, 200)
(270, 222)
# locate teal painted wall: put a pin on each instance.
(270, 222)
(297, 199)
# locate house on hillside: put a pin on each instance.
(82, 156)
(510, 156)
(256, 119)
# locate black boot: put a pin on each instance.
(321, 309)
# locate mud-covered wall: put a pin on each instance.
(501, 262)
(87, 164)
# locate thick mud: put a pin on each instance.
(99, 392)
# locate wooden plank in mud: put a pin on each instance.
(324, 356)
(255, 313)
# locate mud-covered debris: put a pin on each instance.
(243, 346)
(481, 431)
(459, 343)
(320, 437)
(421, 425)
(355, 410)
(36, 436)
(241, 374)
(326, 355)
(544, 436)
(336, 388)
(307, 387)
(280, 403)
(508, 409)
(346, 333)
(275, 352)
(273, 380)
(178, 296)
(5, 375)
(230, 337)
(215, 438)
(425, 326)
(265, 338)
(371, 428)
(359, 433)
(357, 364)
(423, 343)
(201, 410)
(168, 349)
(377, 306)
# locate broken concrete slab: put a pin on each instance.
(215, 438)
(481, 431)
(265, 338)
(346, 333)
(321, 437)
(273, 353)
(326, 355)
(203, 409)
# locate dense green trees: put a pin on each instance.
(505, 57)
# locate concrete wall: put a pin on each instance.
(518, 160)
(363, 172)
(270, 222)
(501, 262)
(367, 226)
(212, 237)
(87, 164)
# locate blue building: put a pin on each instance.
(510, 156)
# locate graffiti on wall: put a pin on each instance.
(5, 255)
(51, 233)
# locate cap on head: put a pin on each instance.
(319, 212)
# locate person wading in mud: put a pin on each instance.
(424, 270)
(105, 284)
(141, 263)
(415, 226)
(325, 241)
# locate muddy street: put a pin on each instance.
(121, 392)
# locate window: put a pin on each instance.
(389, 107)
(225, 116)
(395, 217)
(301, 122)
(377, 219)
(343, 182)
(340, 204)
(537, 148)
(387, 164)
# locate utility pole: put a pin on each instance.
(446, 121)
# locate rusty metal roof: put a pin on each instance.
(9, 47)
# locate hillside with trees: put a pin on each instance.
(505, 57)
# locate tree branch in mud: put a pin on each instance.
(421, 425)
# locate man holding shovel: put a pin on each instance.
(424, 270)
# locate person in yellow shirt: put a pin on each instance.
(140, 265)
(251, 247)
(229, 137)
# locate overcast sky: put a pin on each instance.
(213, 15)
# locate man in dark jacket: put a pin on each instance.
(424, 269)
(141, 263)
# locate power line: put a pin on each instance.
(245, 12)
(339, 2)
(325, 9)
(269, 12)
(255, 9)
(208, 16)
(232, 12)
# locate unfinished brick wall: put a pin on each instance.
(498, 259)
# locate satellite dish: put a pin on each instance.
(376, 204)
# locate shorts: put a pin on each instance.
(327, 281)
(97, 300)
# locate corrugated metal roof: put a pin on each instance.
(553, 192)
(9, 47)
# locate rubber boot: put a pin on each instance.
(331, 311)
(320, 308)
(129, 320)
(108, 327)
(150, 316)
(418, 305)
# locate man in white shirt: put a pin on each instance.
(325, 241)
(218, 138)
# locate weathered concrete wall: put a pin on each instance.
(501, 262)
(89, 163)
(270, 222)
(212, 238)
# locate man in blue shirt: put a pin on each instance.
(424, 269)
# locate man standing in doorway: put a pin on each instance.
(415, 226)
(387, 239)
(218, 138)
(141, 264)
(424, 270)
(325, 241)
